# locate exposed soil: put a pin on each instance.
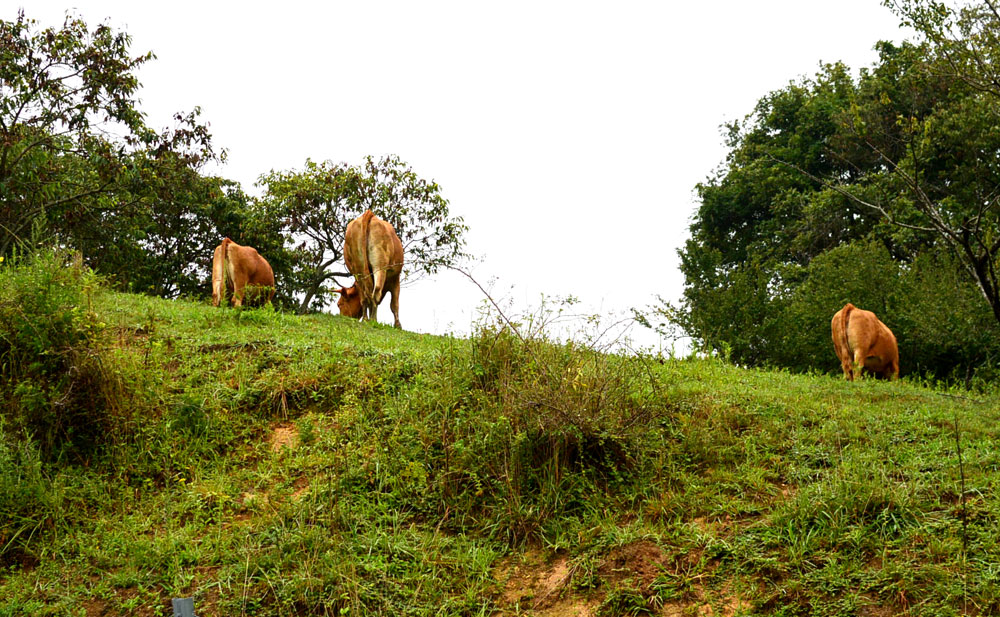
(640, 561)
(284, 436)
(94, 608)
(301, 487)
(543, 585)
(534, 583)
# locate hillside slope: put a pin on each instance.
(270, 464)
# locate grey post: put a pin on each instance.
(183, 607)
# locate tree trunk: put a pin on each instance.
(310, 294)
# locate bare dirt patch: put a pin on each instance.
(95, 608)
(284, 436)
(640, 561)
(571, 607)
(536, 583)
(301, 486)
(543, 586)
(877, 609)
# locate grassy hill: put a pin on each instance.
(270, 464)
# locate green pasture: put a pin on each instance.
(271, 464)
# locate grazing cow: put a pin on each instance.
(374, 256)
(862, 342)
(241, 269)
(349, 302)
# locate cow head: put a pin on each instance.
(350, 301)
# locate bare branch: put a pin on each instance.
(850, 195)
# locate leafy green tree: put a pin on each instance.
(62, 91)
(315, 205)
(156, 230)
(77, 155)
(862, 273)
(950, 332)
(763, 218)
(943, 327)
(248, 221)
(839, 189)
(938, 171)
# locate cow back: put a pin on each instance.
(356, 252)
(860, 339)
(235, 266)
(385, 250)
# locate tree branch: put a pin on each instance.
(850, 196)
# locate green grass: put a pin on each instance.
(422, 470)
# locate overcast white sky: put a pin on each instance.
(568, 135)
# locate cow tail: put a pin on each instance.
(845, 318)
(366, 220)
(227, 276)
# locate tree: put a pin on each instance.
(762, 218)
(833, 189)
(939, 173)
(62, 91)
(315, 205)
(155, 230)
(77, 155)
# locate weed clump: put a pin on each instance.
(55, 384)
(563, 426)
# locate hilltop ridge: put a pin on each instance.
(273, 464)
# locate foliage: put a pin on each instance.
(77, 156)
(78, 160)
(861, 273)
(893, 163)
(315, 205)
(60, 90)
(57, 388)
(939, 168)
(162, 243)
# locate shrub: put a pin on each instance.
(54, 384)
(942, 322)
(563, 424)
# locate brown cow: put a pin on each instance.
(349, 302)
(862, 342)
(374, 256)
(237, 269)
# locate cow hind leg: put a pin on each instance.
(218, 288)
(394, 304)
(368, 307)
(858, 365)
(848, 370)
(238, 295)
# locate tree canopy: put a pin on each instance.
(80, 165)
(864, 189)
(78, 159)
(61, 92)
(314, 205)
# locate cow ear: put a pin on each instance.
(339, 291)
